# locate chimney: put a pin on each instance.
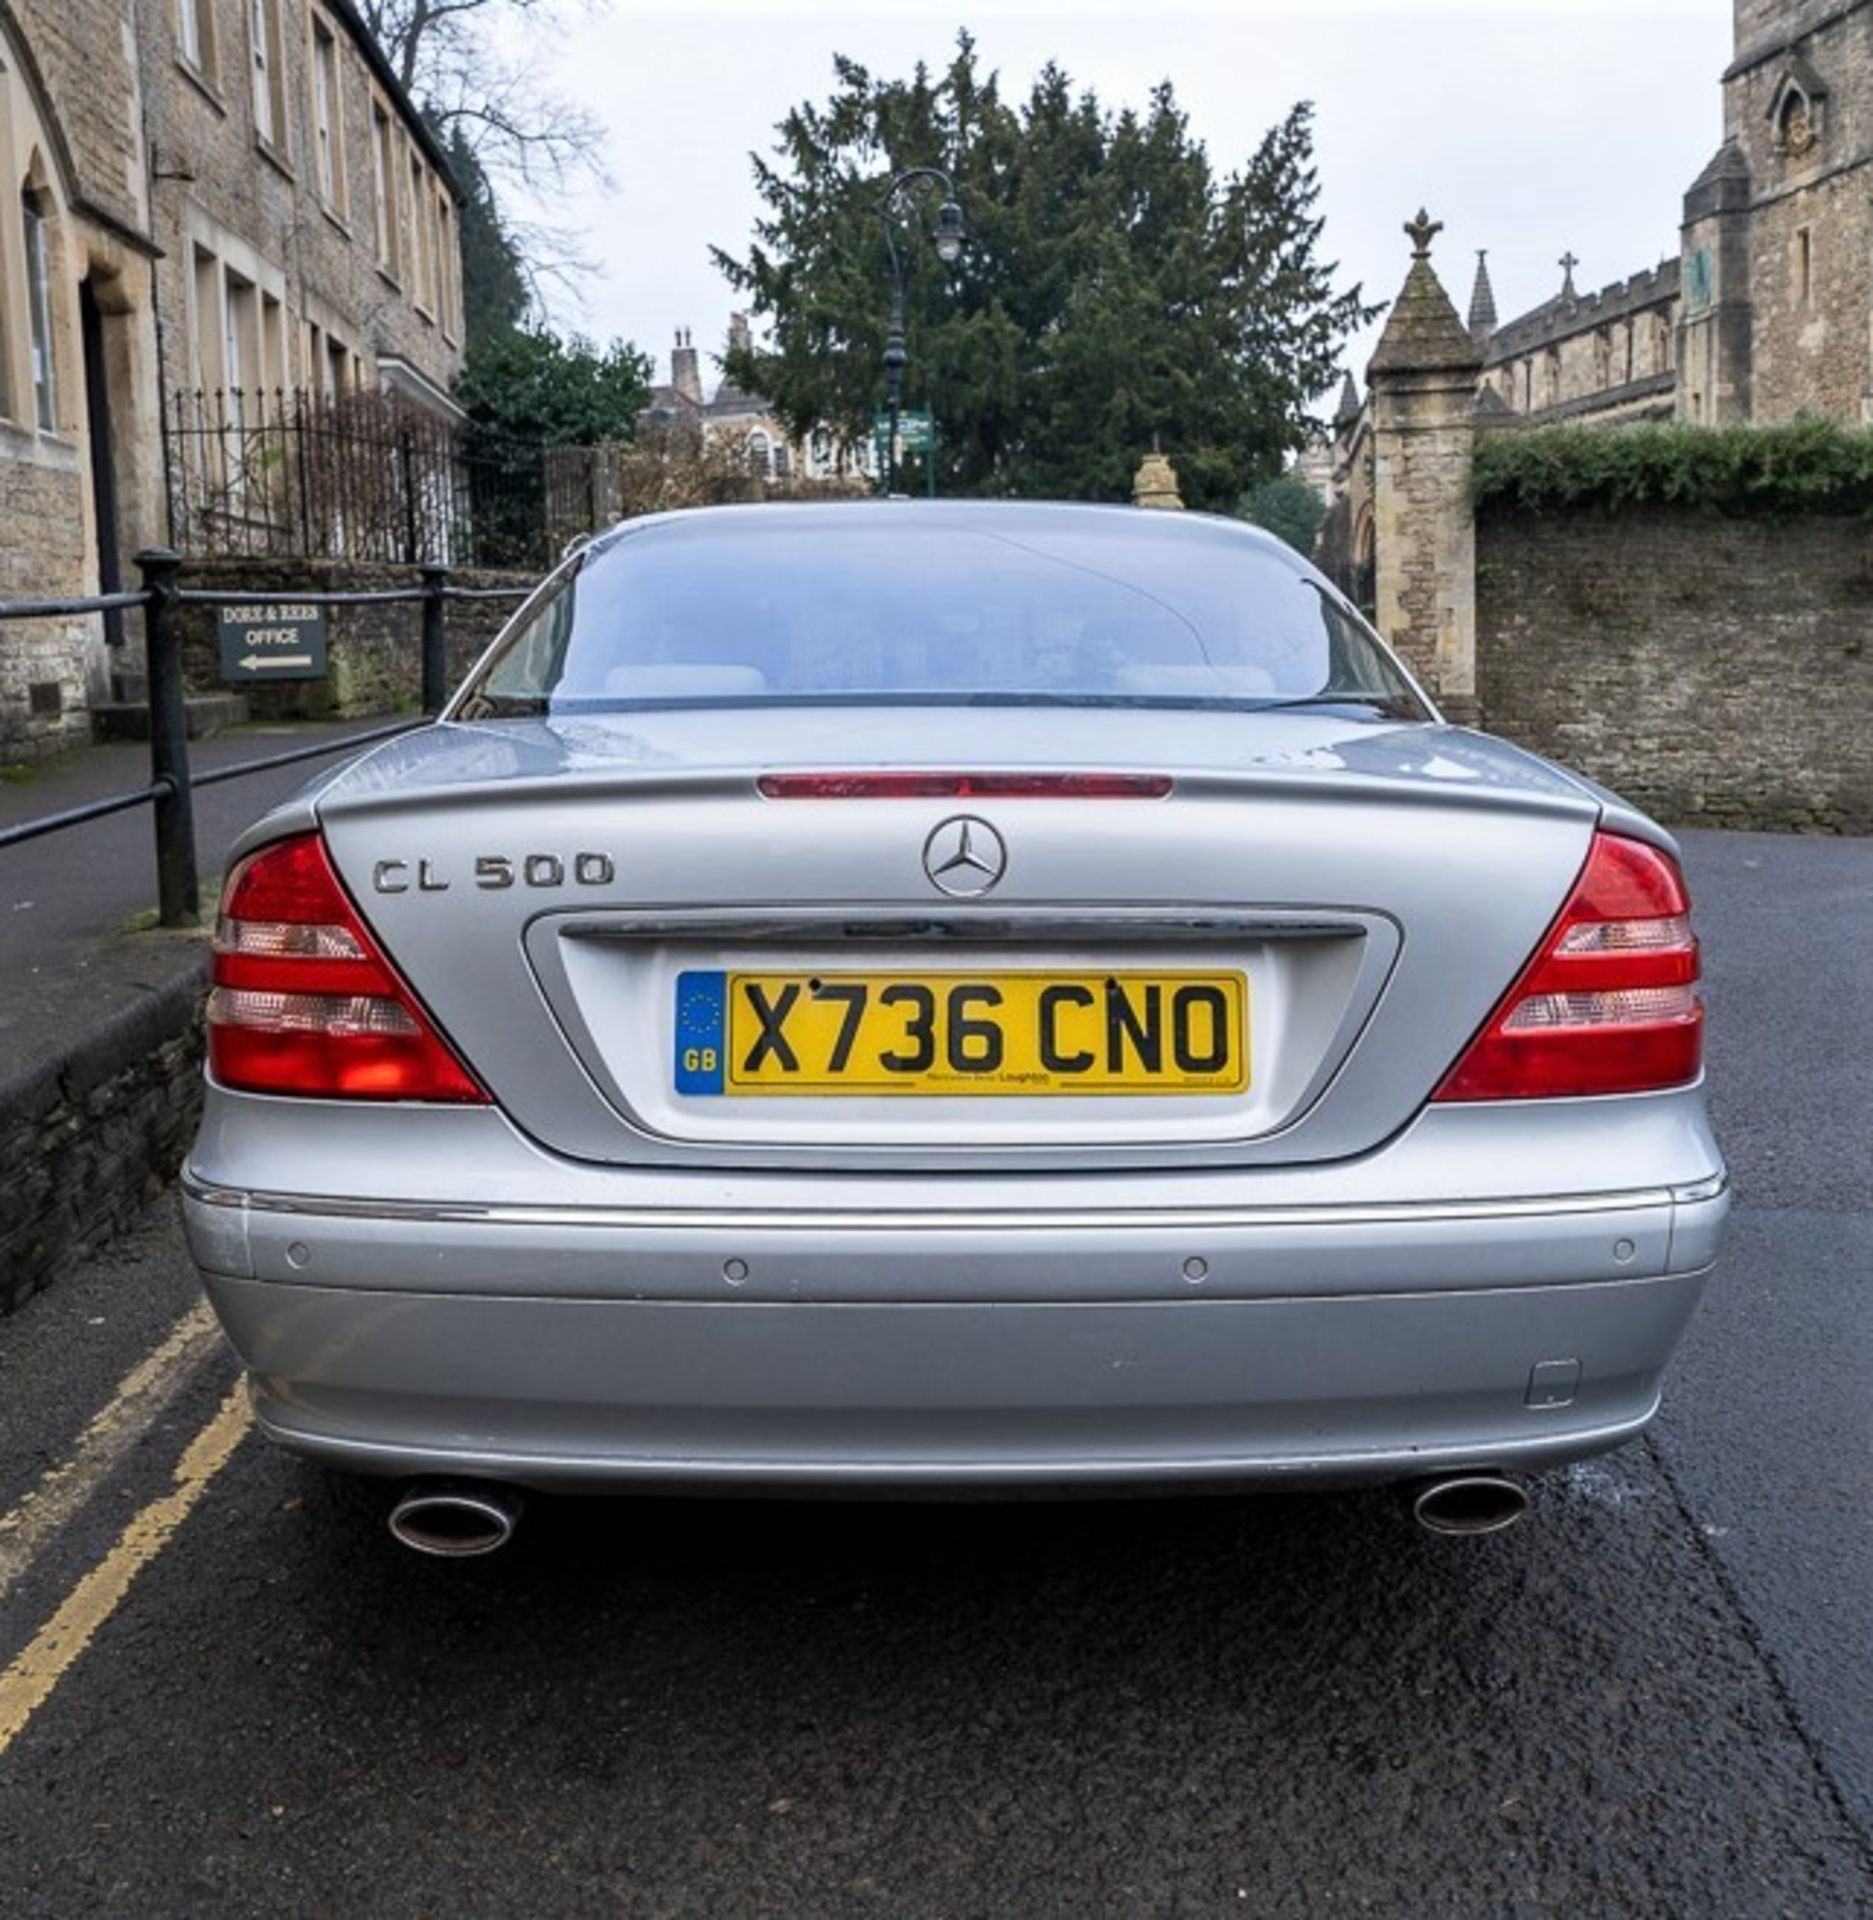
(740, 340)
(685, 375)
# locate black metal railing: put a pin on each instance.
(171, 784)
(280, 473)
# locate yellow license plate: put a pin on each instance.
(962, 1033)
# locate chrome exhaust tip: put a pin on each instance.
(1469, 1503)
(455, 1520)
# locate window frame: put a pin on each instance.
(195, 37)
(267, 78)
(384, 177)
(448, 254)
(326, 113)
(35, 222)
(417, 281)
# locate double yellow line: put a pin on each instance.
(140, 1398)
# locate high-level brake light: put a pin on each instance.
(304, 1002)
(964, 786)
(1609, 1002)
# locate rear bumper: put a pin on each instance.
(888, 1349)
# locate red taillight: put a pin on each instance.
(305, 1003)
(1609, 1003)
(964, 786)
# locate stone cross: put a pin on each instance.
(1421, 232)
(1569, 261)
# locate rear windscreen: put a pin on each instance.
(701, 613)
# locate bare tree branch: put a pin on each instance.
(448, 54)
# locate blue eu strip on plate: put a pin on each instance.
(701, 1031)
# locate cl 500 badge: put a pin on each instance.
(493, 871)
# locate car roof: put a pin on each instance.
(1009, 518)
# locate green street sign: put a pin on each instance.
(916, 431)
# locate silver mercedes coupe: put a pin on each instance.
(965, 997)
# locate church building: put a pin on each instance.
(1766, 313)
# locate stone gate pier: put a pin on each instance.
(1423, 377)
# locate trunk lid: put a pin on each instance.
(553, 890)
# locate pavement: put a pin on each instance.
(69, 901)
(223, 1690)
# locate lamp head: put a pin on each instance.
(949, 233)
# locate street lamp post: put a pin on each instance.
(948, 238)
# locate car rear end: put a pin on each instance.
(685, 1087)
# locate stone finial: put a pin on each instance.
(1155, 484)
(1348, 410)
(1568, 262)
(1422, 332)
(1482, 301)
(1421, 232)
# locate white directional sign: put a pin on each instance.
(284, 642)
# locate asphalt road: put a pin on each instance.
(1655, 1697)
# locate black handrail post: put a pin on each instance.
(178, 899)
(435, 638)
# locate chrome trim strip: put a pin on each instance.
(957, 1220)
(1698, 1191)
(1136, 925)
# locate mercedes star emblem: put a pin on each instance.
(964, 857)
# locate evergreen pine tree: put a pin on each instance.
(1114, 287)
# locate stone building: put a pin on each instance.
(732, 413)
(1608, 356)
(1767, 312)
(230, 200)
(1778, 233)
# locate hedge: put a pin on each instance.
(1808, 465)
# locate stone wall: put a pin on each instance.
(374, 653)
(89, 1138)
(1717, 672)
(42, 662)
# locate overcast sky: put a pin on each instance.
(1527, 128)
